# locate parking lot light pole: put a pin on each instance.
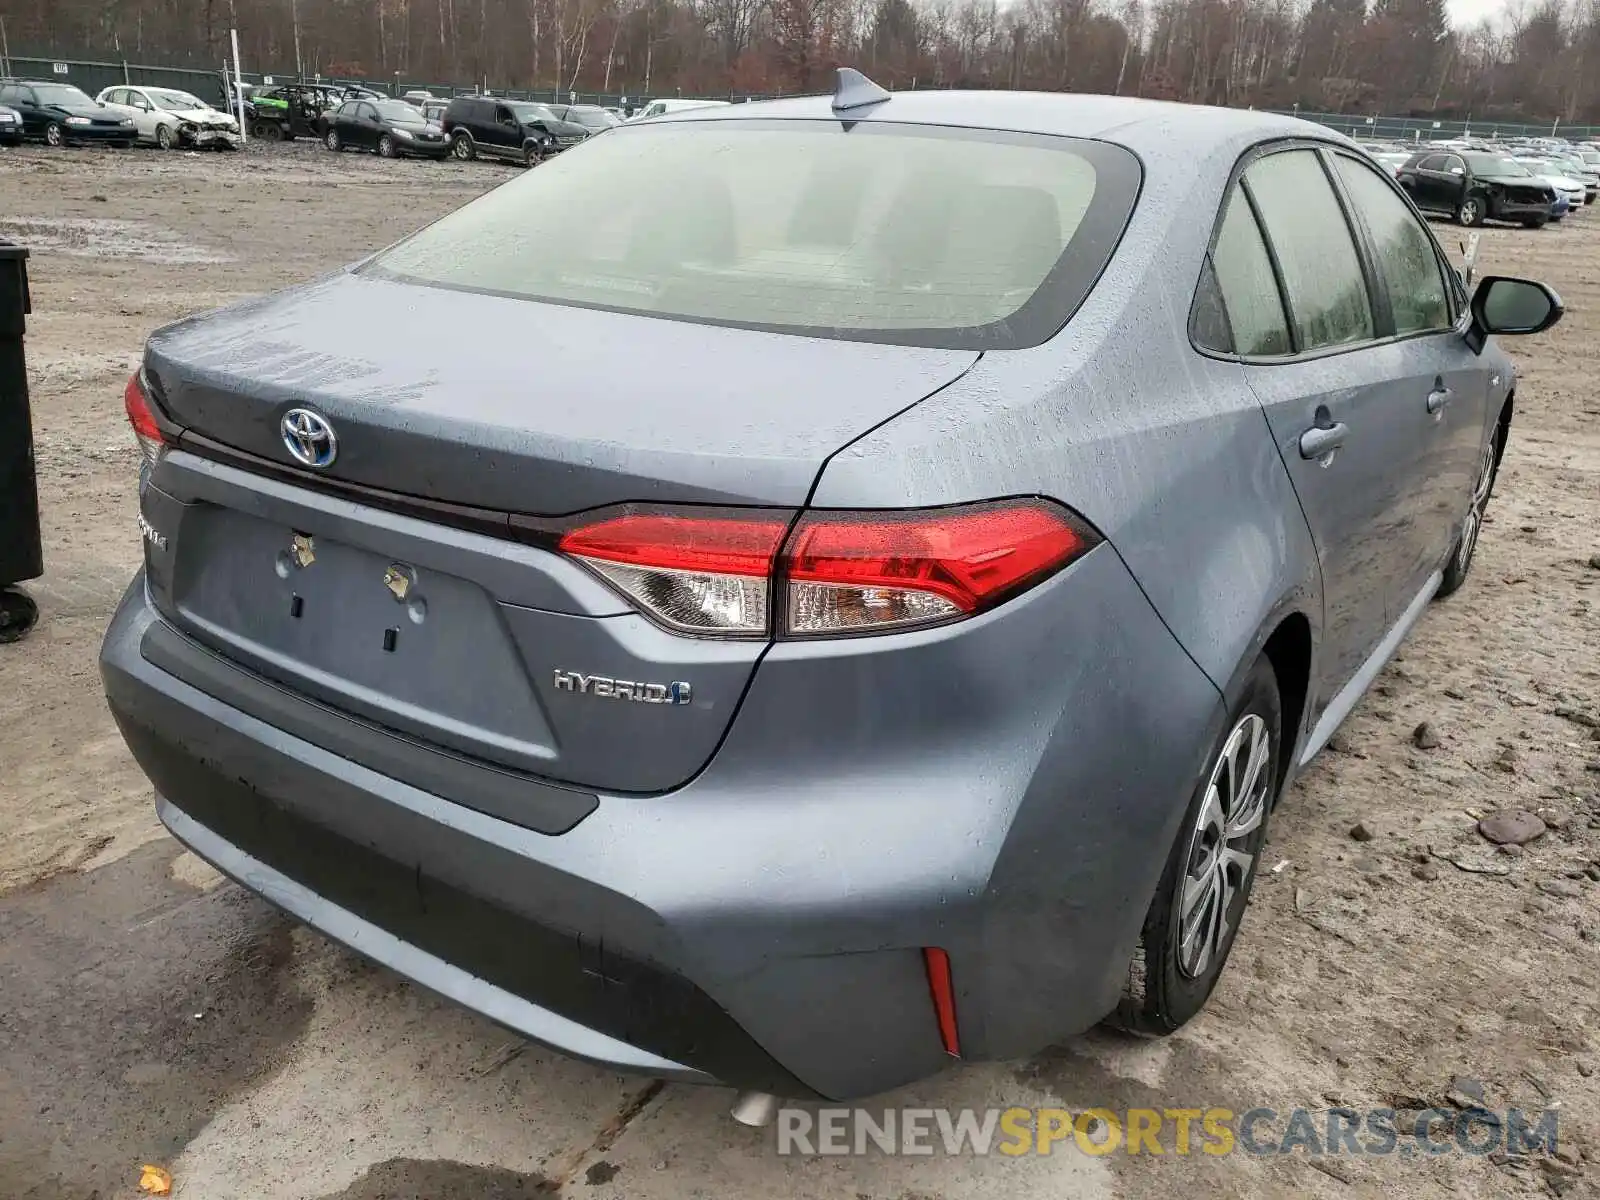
(238, 91)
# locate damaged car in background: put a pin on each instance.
(172, 119)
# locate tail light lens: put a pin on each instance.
(696, 574)
(836, 573)
(860, 572)
(143, 420)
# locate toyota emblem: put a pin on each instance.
(309, 438)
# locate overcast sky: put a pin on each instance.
(1470, 12)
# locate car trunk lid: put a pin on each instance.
(451, 637)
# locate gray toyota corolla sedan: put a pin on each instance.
(791, 594)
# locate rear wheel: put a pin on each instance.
(1189, 930)
(18, 614)
(164, 137)
(1455, 571)
(463, 147)
(1535, 222)
(54, 135)
(1472, 210)
(387, 148)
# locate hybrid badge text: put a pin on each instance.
(622, 689)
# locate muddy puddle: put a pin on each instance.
(104, 237)
(134, 1007)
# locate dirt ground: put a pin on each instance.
(150, 1012)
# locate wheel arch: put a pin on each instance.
(1289, 648)
(1502, 425)
(1287, 638)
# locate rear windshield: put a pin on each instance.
(876, 232)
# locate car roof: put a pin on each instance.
(1154, 126)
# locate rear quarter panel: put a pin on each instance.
(1164, 450)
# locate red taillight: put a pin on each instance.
(942, 988)
(718, 573)
(143, 419)
(854, 571)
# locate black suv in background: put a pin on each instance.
(58, 113)
(1472, 185)
(518, 130)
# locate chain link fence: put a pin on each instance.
(92, 76)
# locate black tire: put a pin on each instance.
(164, 138)
(18, 614)
(1459, 564)
(332, 142)
(271, 132)
(531, 157)
(1472, 209)
(388, 147)
(463, 147)
(1168, 985)
(1535, 222)
(54, 135)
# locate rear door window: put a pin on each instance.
(1322, 274)
(878, 232)
(1245, 279)
(1408, 260)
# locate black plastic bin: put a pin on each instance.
(21, 554)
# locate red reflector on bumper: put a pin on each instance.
(941, 986)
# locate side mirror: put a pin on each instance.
(1512, 306)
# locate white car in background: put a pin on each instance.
(1551, 174)
(657, 107)
(172, 119)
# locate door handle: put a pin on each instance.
(1320, 441)
(1438, 399)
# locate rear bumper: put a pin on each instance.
(763, 925)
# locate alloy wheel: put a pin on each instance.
(164, 137)
(53, 135)
(1219, 860)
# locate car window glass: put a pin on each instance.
(1453, 163)
(794, 225)
(503, 115)
(1406, 256)
(1327, 292)
(1434, 162)
(1249, 291)
(1208, 325)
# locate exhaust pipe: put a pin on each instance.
(755, 1109)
